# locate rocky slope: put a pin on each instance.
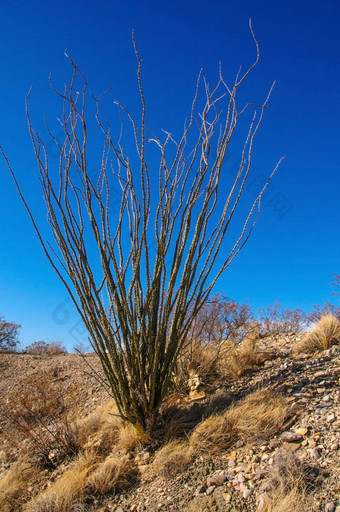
(238, 479)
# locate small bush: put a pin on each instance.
(276, 320)
(43, 415)
(325, 334)
(43, 348)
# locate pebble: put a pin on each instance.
(329, 507)
(314, 453)
(290, 436)
(247, 493)
(210, 490)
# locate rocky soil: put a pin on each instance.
(239, 479)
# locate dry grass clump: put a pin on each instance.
(172, 458)
(114, 474)
(259, 416)
(324, 335)
(69, 489)
(101, 431)
(236, 359)
(14, 486)
(293, 500)
(213, 435)
(256, 418)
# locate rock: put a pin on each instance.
(314, 453)
(302, 431)
(291, 447)
(247, 493)
(290, 437)
(329, 507)
(260, 474)
(263, 502)
(210, 490)
(330, 418)
(200, 489)
(227, 497)
(217, 479)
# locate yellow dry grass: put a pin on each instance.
(172, 458)
(324, 335)
(68, 490)
(15, 484)
(112, 475)
(239, 358)
(293, 500)
(254, 419)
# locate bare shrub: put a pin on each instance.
(319, 311)
(325, 334)
(43, 414)
(134, 304)
(172, 459)
(42, 348)
(276, 320)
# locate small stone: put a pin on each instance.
(260, 474)
(243, 488)
(302, 431)
(290, 437)
(247, 493)
(263, 501)
(314, 453)
(330, 418)
(240, 478)
(200, 489)
(217, 479)
(291, 447)
(329, 507)
(334, 446)
(226, 497)
(210, 490)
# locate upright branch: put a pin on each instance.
(140, 248)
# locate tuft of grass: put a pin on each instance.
(293, 500)
(256, 418)
(172, 458)
(14, 486)
(68, 490)
(324, 335)
(114, 474)
(239, 358)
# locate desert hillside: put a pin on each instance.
(265, 439)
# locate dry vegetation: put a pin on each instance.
(68, 461)
(324, 335)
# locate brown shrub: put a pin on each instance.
(325, 334)
(43, 415)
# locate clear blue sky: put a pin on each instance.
(291, 258)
